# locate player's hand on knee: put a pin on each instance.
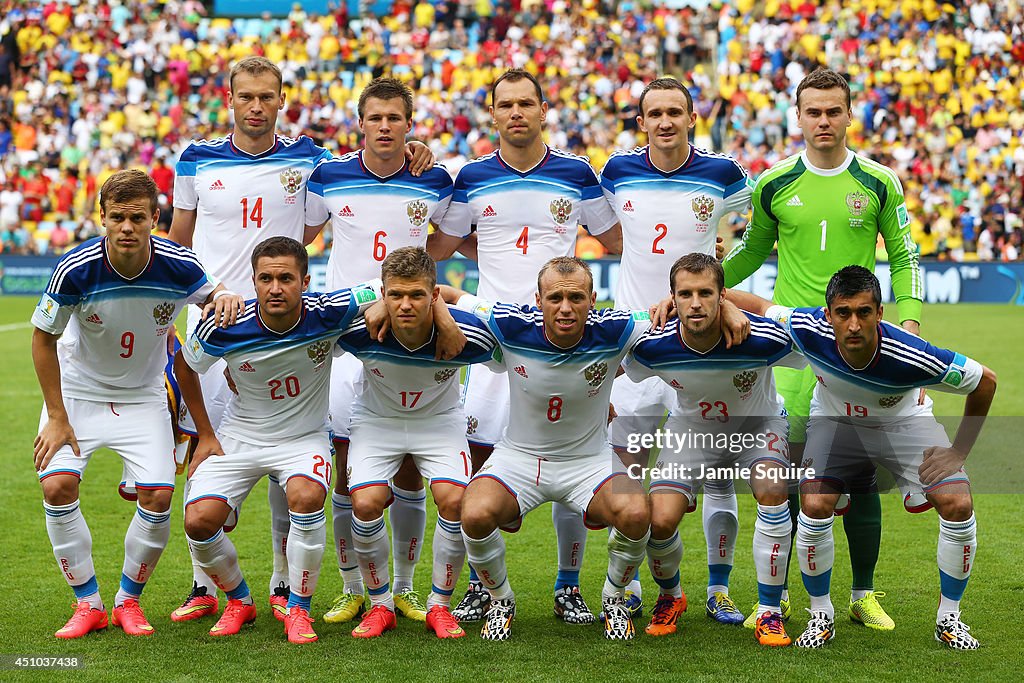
(662, 312)
(420, 157)
(208, 445)
(55, 433)
(225, 308)
(940, 463)
(377, 321)
(735, 324)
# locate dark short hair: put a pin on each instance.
(409, 263)
(515, 75)
(254, 66)
(566, 265)
(850, 281)
(824, 79)
(281, 246)
(385, 88)
(697, 263)
(666, 84)
(127, 185)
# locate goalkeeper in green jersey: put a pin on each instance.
(825, 207)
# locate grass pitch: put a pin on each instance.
(542, 647)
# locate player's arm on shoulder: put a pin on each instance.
(940, 463)
(192, 395)
(450, 338)
(735, 324)
(57, 431)
(749, 302)
(224, 305)
(421, 159)
(183, 226)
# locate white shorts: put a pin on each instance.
(216, 393)
(839, 450)
(533, 481)
(754, 440)
(139, 432)
(346, 385)
(437, 444)
(641, 406)
(230, 477)
(485, 398)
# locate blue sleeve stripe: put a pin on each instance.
(185, 169)
(739, 185)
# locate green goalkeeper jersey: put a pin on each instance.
(824, 220)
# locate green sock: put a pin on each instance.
(863, 526)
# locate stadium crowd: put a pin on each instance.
(89, 87)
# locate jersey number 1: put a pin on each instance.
(255, 215)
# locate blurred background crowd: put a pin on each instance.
(88, 87)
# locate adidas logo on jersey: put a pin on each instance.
(378, 373)
(628, 206)
(795, 201)
(246, 367)
(95, 319)
(489, 212)
(675, 384)
(217, 185)
(345, 212)
(521, 370)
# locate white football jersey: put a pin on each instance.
(665, 215)
(114, 329)
(721, 383)
(282, 378)
(888, 386)
(372, 216)
(409, 382)
(559, 397)
(242, 199)
(524, 219)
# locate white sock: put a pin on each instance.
(772, 541)
(858, 593)
(816, 553)
(958, 544)
(306, 540)
(72, 548)
(721, 526)
(487, 555)
(278, 533)
(663, 558)
(348, 563)
(219, 559)
(449, 556)
(571, 535)
(199, 577)
(144, 543)
(408, 515)
(624, 556)
(371, 546)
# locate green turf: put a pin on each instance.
(542, 648)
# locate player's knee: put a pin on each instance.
(155, 501)
(449, 505)
(954, 508)
(366, 507)
(305, 495)
(201, 524)
(60, 490)
(634, 520)
(478, 521)
(817, 506)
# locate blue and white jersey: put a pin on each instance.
(242, 199)
(887, 387)
(559, 397)
(524, 219)
(666, 214)
(282, 377)
(719, 383)
(372, 216)
(114, 343)
(405, 382)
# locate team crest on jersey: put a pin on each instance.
(856, 202)
(163, 313)
(291, 180)
(744, 381)
(417, 211)
(318, 352)
(890, 401)
(595, 373)
(561, 209)
(471, 424)
(703, 206)
(442, 376)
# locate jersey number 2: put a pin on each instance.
(662, 231)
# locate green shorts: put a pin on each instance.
(796, 388)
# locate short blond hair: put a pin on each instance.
(254, 66)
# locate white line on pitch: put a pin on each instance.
(14, 326)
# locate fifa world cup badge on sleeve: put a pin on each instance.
(194, 348)
(364, 295)
(955, 374)
(47, 307)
